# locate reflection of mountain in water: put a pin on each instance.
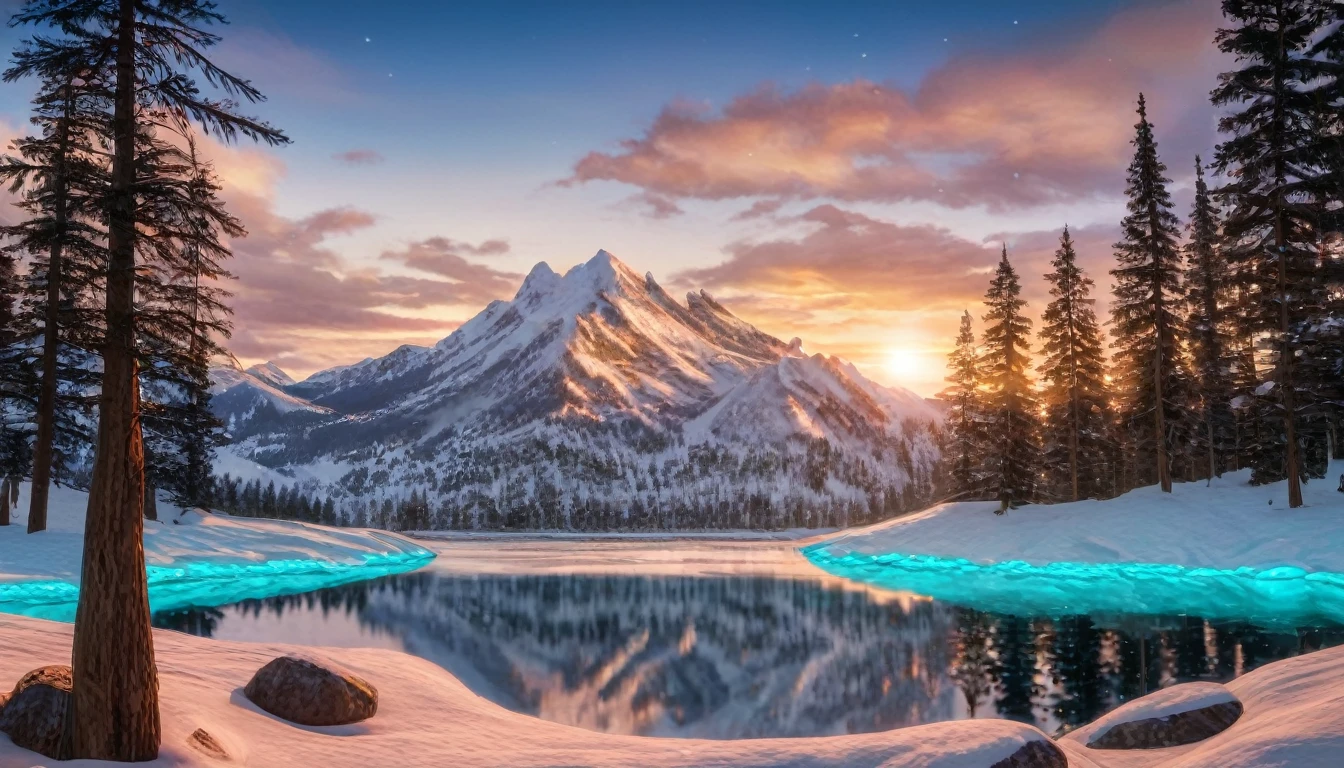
(718, 658)
(748, 657)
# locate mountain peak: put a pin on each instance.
(271, 374)
(541, 280)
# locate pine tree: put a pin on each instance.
(1013, 424)
(1276, 192)
(1151, 375)
(156, 44)
(183, 317)
(61, 173)
(1077, 420)
(1210, 330)
(964, 422)
(13, 445)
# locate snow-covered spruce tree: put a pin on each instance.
(965, 449)
(1076, 432)
(61, 173)
(1012, 436)
(1276, 192)
(1152, 380)
(183, 313)
(1210, 330)
(154, 45)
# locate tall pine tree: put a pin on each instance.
(1077, 418)
(1276, 193)
(155, 46)
(1012, 447)
(964, 452)
(1151, 377)
(1210, 331)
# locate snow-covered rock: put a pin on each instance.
(597, 387)
(1172, 717)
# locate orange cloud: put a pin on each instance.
(861, 287)
(1005, 131)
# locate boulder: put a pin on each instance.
(1035, 754)
(33, 715)
(311, 691)
(1181, 714)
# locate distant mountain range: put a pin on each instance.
(593, 399)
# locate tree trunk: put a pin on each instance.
(151, 503)
(4, 508)
(1213, 461)
(1163, 468)
(1159, 336)
(114, 704)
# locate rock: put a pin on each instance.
(1035, 754)
(309, 691)
(34, 713)
(1172, 730)
(201, 740)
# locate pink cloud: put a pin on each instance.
(1046, 125)
(860, 287)
(298, 301)
(653, 205)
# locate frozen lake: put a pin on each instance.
(732, 639)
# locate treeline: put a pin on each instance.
(111, 309)
(532, 486)
(1228, 337)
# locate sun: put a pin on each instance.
(904, 364)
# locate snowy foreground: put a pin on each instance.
(426, 717)
(1215, 551)
(193, 558)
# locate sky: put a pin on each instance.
(841, 172)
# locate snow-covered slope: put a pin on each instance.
(1222, 549)
(427, 717)
(193, 557)
(599, 388)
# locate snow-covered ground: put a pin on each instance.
(1220, 550)
(193, 558)
(426, 717)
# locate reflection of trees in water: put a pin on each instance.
(750, 656)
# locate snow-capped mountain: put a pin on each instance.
(247, 400)
(597, 393)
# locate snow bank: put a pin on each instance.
(1219, 551)
(193, 558)
(426, 717)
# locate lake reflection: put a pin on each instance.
(740, 657)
